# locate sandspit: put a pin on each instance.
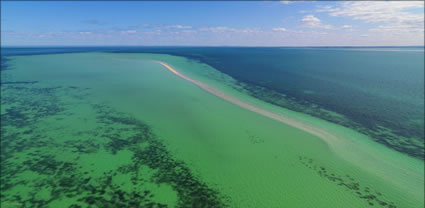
(344, 147)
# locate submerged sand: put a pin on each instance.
(233, 143)
(326, 136)
(345, 148)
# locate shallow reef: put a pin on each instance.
(373, 198)
(406, 139)
(47, 161)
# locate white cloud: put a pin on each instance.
(279, 29)
(311, 21)
(347, 26)
(248, 30)
(85, 33)
(152, 33)
(161, 27)
(224, 29)
(128, 32)
(393, 16)
(374, 12)
(178, 26)
(217, 29)
(293, 1)
(188, 31)
(286, 2)
(321, 8)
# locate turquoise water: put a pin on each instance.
(379, 93)
(119, 130)
(376, 91)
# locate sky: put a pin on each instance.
(216, 23)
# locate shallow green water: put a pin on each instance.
(378, 92)
(97, 129)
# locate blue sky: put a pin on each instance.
(217, 23)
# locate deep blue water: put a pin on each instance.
(376, 91)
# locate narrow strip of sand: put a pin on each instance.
(330, 139)
(349, 150)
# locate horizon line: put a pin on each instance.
(75, 46)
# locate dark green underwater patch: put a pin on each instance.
(408, 140)
(41, 157)
(373, 197)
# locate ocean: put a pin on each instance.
(376, 91)
(107, 126)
